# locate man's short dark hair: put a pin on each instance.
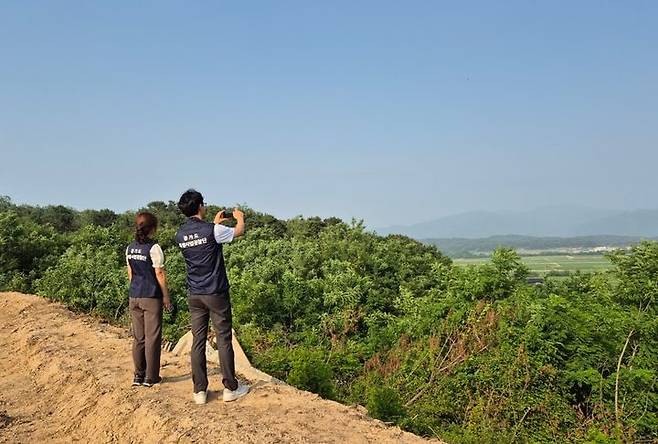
(190, 202)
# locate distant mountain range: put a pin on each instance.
(559, 221)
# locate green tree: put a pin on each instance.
(26, 251)
(88, 279)
(61, 218)
(102, 218)
(6, 204)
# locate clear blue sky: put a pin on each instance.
(346, 108)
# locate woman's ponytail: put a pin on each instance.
(145, 225)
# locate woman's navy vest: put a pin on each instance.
(204, 258)
(143, 283)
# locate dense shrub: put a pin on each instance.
(309, 371)
(384, 403)
(87, 279)
(26, 250)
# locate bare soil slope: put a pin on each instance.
(66, 377)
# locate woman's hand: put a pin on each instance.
(161, 276)
(166, 302)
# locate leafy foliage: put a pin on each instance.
(26, 249)
(88, 276)
(470, 354)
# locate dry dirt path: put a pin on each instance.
(66, 378)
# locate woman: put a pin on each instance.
(148, 293)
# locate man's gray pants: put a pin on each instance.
(217, 307)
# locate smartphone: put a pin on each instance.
(227, 214)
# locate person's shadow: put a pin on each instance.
(211, 372)
(212, 395)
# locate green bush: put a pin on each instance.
(309, 371)
(384, 403)
(177, 323)
(26, 251)
(87, 279)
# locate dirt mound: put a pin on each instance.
(66, 377)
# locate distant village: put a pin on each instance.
(571, 250)
(554, 251)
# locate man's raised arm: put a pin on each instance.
(238, 230)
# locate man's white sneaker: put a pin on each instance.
(232, 395)
(201, 397)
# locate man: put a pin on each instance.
(208, 291)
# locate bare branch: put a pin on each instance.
(621, 357)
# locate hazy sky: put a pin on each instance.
(370, 109)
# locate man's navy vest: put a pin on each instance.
(206, 273)
(143, 283)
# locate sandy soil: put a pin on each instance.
(66, 378)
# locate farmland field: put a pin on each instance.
(541, 265)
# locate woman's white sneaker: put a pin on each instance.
(232, 395)
(201, 397)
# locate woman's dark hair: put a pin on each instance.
(190, 202)
(145, 223)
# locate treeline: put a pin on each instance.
(468, 354)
